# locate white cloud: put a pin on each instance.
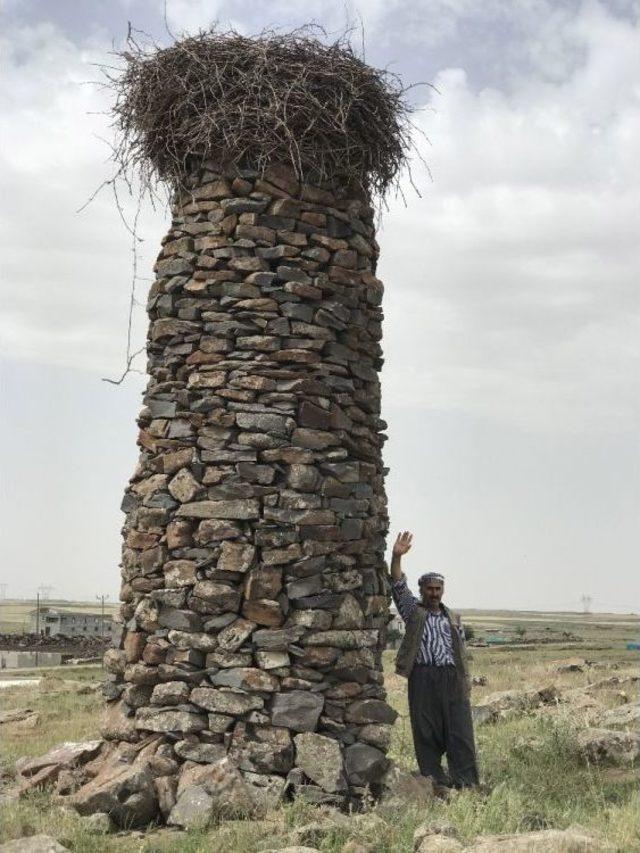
(511, 296)
(66, 274)
(190, 15)
(512, 286)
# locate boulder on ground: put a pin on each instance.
(438, 844)
(481, 714)
(295, 849)
(16, 715)
(573, 840)
(356, 847)
(99, 823)
(402, 788)
(328, 821)
(33, 844)
(608, 746)
(626, 715)
(506, 702)
(65, 756)
(124, 791)
(427, 832)
(571, 665)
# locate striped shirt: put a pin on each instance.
(436, 648)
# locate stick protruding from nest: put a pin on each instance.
(248, 103)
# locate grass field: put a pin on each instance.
(533, 774)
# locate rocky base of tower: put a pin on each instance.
(143, 783)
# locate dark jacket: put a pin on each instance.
(410, 646)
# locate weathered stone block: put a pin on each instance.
(320, 758)
(235, 557)
(160, 720)
(246, 678)
(227, 702)
(238, 509)
(297, 710)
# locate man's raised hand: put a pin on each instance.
(402, 543)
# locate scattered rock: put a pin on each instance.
(356, 847)
(401, 788)
(295, 849)
(431, 829)
(507, 702)
(482, 714)
(66, 755)
(99, 822)
(438, 844)
(627, 715)
(33, 844)
(17, 715)
(546, 841)
(608, 746)
(125, 792)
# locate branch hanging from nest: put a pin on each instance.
(250, 102)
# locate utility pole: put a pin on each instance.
(587, 601)
(37, 624)
(3, 596)
(46, 590)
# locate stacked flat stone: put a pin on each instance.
(254, 592)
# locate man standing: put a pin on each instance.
(433, 657)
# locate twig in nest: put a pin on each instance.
(249, 102)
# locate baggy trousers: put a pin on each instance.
(440, 715)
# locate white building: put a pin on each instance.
(54, 622)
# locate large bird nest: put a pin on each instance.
(250, 102)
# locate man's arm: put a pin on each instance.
(404, 600)
(400, 548)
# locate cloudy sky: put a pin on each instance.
(511, 337)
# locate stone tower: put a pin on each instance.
(254, 597)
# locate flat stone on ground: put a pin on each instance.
(33, 844)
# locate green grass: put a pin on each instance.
(63, 717)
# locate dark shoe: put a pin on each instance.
(442, 792)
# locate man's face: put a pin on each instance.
(431, 592)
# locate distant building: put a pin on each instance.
(54, 622)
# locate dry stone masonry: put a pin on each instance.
(254, 594)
